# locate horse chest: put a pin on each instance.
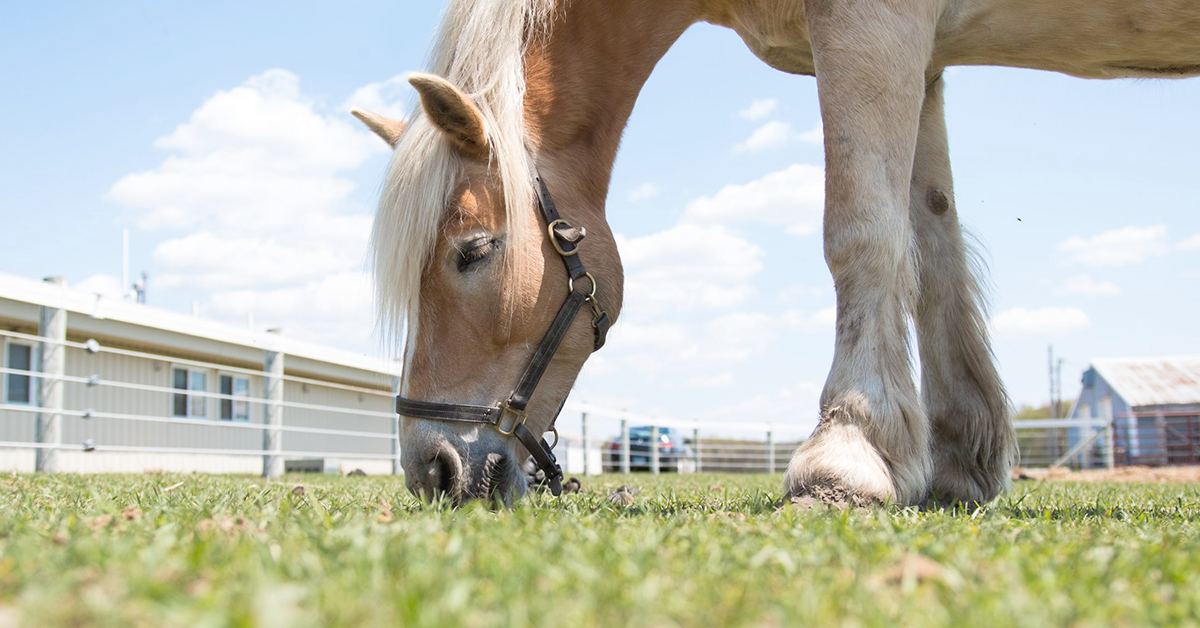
(776, 32)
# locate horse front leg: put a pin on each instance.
(974, 445)
(872, 442)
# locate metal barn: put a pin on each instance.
(1151, 406)
(93, 384)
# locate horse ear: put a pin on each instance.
(454, 113)
(386, 128)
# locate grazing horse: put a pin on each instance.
(528, 98)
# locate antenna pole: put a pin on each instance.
(125, 285)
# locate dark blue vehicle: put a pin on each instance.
(674, 455)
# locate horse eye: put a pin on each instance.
(475, 251)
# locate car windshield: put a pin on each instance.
(665, 434)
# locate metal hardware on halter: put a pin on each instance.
(559, 231)
(571, 286)
(506, 408)
(554, 236)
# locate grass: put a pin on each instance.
(706, 550)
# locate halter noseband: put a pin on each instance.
(565, 239)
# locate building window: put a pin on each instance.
(237, 408)
(18, 388)
(183, 404)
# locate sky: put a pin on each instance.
(218, 134)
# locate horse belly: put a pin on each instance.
(1087, 38)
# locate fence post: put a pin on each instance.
(273, 412)
(625, 446)
(396, 468)
(584, 434)
(51, 362)
(770, 451)
(654, 450)
(696, 448)
(1109, 451)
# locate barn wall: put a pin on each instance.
(199, 433)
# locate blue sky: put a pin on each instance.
(217, 133)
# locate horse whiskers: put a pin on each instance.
(497, 470)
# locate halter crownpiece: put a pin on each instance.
(508, 416)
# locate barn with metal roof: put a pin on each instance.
(1153, 404)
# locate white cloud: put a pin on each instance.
(1191, 243)
(383, 98)
(1046, 321)
(773, 134)
(333, 306)
(815, 135)
(759, 108)
(795, 409)
(777, 133)
(644, 191)
(711, 381)
(255, 157)
(688, 351)
(207, 261)
(821, 320)
(1086, 286)
(107, 286)
(793, 197)
(256, 178)
(688, 267)
(1118, 247)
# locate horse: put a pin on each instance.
(523, 106)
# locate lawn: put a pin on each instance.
(704, 550)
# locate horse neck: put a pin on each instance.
(583, 80)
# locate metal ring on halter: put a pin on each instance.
(554, 238)
(555, 443)
(571, 285)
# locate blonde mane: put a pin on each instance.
(480, 48)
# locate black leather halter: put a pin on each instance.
(565, 239)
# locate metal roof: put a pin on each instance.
(22, 290)
(1153, 381)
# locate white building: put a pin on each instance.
(146, 389)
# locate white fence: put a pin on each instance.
(75, 421)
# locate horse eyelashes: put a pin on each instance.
(477, 251)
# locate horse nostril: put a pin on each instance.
(440, 476)
(443, 475)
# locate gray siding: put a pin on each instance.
(208, 432)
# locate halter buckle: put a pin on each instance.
(554, 238)
(520, 416)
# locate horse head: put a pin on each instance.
(465, 259)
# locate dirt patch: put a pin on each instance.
(1118, 474)
(831, 497)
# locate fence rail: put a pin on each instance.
(630, 441)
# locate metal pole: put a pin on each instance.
(51, 361)
(696, 448)
(625, 446)
(654, 450)
(396, 468)
(584, 433)
(273, 412)
(770, 451)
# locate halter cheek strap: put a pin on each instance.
(565, 239)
